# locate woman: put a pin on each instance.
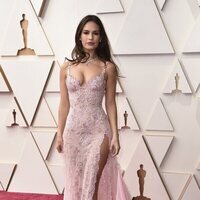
(86, 135)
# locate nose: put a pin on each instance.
(90, 36)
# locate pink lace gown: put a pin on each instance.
(86, 126)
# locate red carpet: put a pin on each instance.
(28, 196)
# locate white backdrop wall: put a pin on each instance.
(153, 43)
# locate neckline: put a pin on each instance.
(87, 82)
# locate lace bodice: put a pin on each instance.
(89, 93)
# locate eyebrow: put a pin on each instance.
(97, 30)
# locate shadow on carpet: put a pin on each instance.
(28, 196)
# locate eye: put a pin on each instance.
(96, 33)
(85, 32)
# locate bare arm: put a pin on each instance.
(63, 107)
(110, 98)
(111, 107)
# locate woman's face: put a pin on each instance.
(90, 36)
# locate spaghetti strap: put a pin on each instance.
(104, 69)
(105, 66)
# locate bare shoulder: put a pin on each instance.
(64, 65)
(63, 68)
(111, 68)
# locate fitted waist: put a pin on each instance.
(86, 106)
(91, 113)
(84, 109)
(86, 117)
(86, 99)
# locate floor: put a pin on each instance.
(28, 196)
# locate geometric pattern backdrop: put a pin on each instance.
(156, 45)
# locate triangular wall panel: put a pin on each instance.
(109, 6)
(122, 106)
(127, 148)
(55, 158)
(183, 85)
(43, 117)
(44, 142)
(32, 175)
(153, 191)
(6, 170)
(57, 172)
(18, 120)
(141, 38)
(192, 191)
(34, 32)
(159, 120)
(158, 146)
(175, 183)
(36, 74)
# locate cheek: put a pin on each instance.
(97, 40)
(83, 37)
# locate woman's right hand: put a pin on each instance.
(59, 143)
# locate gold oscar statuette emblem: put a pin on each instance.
(141, 173)
(125, 121)
(14, 117)
(24, 27)
(177, 78)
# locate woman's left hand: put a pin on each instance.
(114, 146)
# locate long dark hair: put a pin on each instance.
(78, 54)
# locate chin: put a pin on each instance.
(90, 48)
